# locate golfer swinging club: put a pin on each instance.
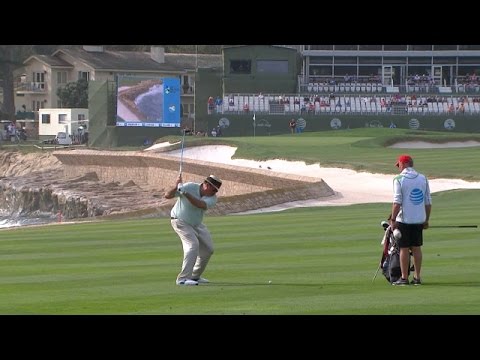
(186, 217)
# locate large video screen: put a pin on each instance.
(148, 102)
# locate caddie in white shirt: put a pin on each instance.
(412, 204)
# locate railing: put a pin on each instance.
(468, 84)
(32, 87)
(358, 87)
(351, 104)
(25, 115)
(373, 84)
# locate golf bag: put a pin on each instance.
(390, 262)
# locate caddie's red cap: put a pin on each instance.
(403, 159)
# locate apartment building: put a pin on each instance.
(45, 74)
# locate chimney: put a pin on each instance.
(157, 53)
(93, 48)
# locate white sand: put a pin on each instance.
(160, 145)
(351, 187)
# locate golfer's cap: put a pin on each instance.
(214, 181)
(403, 159)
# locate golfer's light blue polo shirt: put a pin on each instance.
(184, 209)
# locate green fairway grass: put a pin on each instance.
(319, 260)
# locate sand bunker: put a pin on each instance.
(351, 187)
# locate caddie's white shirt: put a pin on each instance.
(412, 191)
(183, 208)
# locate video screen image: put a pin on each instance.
(148, 101)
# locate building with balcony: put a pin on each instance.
(45, 74)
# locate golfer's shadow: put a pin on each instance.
(263, 284)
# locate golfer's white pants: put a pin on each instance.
(197, 248)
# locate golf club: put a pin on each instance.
(453, 226)
(179, 186)
(376, 272)
(181, 152)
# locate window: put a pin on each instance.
(320, 47)
(370, 47)
(321, 59)
(320, 70)
(272, 66)
(187, 84)
(62, 118)
(345, 70)
(418, 70)
(468, 60)
(82, 121)
(445, 47)
(84, 75)
(395, 60)
(39, 77)
(468, 47)
(38, 80)
(370, 60)
(61, 77)
(464, 70)
(419, 60)
(45, 118)
(394, 47)
(370, 71)
(240, 66)
(352, 60)
(445, 60)
(346, 47)
(420, 47)
(35, 105)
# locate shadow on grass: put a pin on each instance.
(441, 284)
(261, 284)
(458, 283)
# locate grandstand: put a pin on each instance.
(412, 68)
(366, 103)
(355, 80)
(433, 87)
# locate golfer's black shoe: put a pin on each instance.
(416, 281)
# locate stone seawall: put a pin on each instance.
(243, 189)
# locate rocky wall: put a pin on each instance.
(243, 188)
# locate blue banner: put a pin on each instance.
(171, 101)
(148, 102)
